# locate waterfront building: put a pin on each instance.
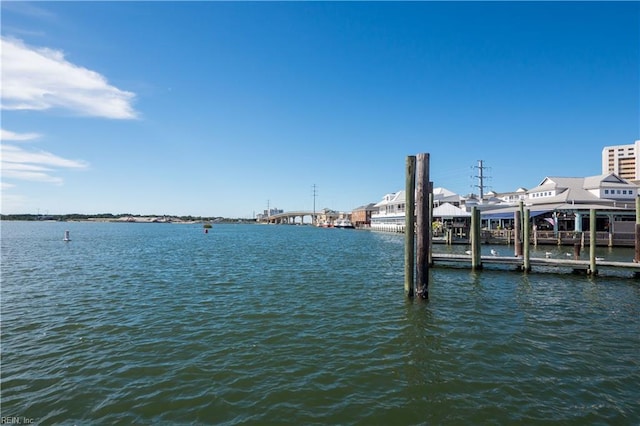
(327, 217)
(557, 204)
(513, 197)
(451, 218)
(443, 195)
(623, 161)
(604, 190)
(390, 214)
(361, 216)
(562, 204)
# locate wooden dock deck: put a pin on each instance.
(518, 262)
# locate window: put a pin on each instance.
(606, 191)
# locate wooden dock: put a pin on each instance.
(518, 262)
(419, 193)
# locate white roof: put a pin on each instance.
(393, 198)
(448, 210)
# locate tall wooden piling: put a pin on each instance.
(476, 261)
(423, 225)
(592, 243)
(526, 265)
(409, 233)
(430, 245)
(516, 233)
(521, 235)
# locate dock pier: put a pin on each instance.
(420, 195)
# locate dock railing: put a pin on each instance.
(603, 238)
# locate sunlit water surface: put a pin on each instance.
(258, 324)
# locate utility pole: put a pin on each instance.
(315, 194)
(481, 167)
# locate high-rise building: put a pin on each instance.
(623, 160)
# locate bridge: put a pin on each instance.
(291, 218)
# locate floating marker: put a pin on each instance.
(66, 236)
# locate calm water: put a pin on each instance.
(251, 324)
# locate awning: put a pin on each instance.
(510, 215)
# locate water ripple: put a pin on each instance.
(140, 324)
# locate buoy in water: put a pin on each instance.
(206, 231)
(66, 236)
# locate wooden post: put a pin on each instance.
(526, 265)
(636, 258)
(409, 233)
(576, 251)
(476, 261)
(592, 243)
(423, 225)
(516, 233)
(430, 235)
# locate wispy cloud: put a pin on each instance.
(41, 79)
(32, 165)
(6, 135)
(28, 9)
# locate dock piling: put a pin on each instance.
(430, 224)
(592, 243)
(517, 219)
(476, 260)
(409, 248)
(526, 234)
(423, 225)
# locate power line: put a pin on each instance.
(481, 177)
(315, 194)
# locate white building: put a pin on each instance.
(390, 216)
(622, 160)
(390, 213)
(606, 189)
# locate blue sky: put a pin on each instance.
(218, 108)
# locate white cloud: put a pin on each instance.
(18, 163)
(41, 78)
(6, 135)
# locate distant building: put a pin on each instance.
(267, 213)
(361, 216)
(603, 190)
(390, 214)
(519, 194)
(623, 160)
(564, 203)
(443, 195)
(327, 217)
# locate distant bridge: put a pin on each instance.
(292, 217)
